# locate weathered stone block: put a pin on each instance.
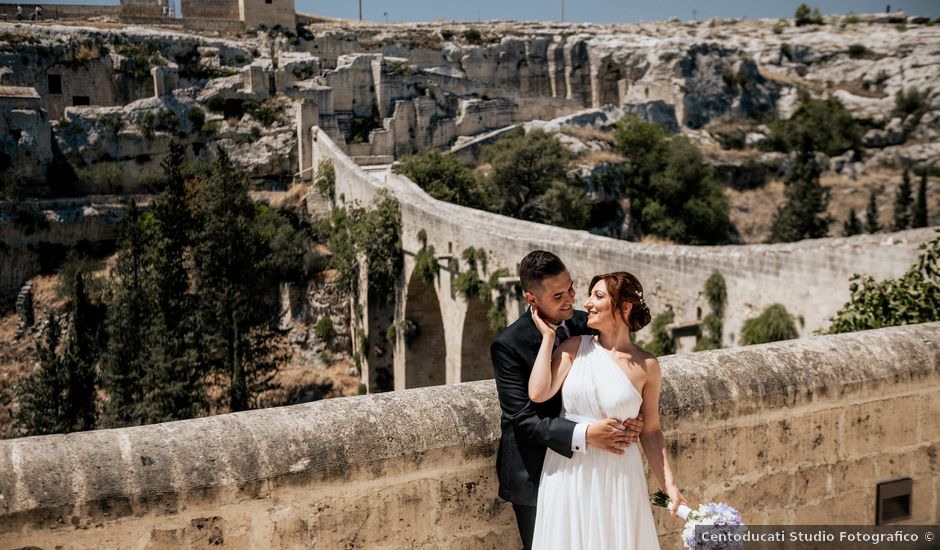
(846, 475)
(877, 425)
(852, 508)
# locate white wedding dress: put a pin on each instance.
(595, 500)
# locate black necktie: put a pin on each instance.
(561, 334)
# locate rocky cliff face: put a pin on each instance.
(384, 91)
(708, 72)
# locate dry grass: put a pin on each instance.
(857, 87)
(787, 80)
(603, 157)
(87, 53)
(752, 211)
(587, 134)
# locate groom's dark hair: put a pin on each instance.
(538, 265)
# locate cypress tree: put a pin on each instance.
(126, 359)
(235, 301)
(81, 358)
(60, 397)
(851, 226)
(41, 394)
(803, 215)
(174, 377)
(871, 214)
(902, 204)
(920, 207)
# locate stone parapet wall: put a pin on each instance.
(791, 432)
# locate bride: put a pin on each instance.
(599, 500)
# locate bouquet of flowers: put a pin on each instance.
(723, 518)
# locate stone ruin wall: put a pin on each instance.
(795, 432)
(269, 13)
(142, 9)
(209, 9)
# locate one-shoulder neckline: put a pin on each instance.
(595, 343)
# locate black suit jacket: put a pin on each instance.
(528, 428)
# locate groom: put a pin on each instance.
(529, 428)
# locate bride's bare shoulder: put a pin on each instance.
(647, 359)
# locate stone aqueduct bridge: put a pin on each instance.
(811, 278)
(797, 432)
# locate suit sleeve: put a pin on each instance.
(513, 389)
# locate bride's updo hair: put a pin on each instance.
(623, 287)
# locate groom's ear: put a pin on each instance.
(529, 298)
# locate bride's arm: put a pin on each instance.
(652, 438)
(549, 370)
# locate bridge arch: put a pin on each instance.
(475, 363)
(422, 330)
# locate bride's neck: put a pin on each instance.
(617, 339)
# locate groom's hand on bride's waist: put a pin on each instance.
(609, 435)
(614, 436)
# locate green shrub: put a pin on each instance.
(361, 127)
(825, 123)
(716, 293)
(266, 112)
(102, 177)
(325, 181)
(773, 324)
(858, 51)
(442, 176)
(426, 267)
(215, 104)
(662, 343)
(197, 117)
(804, 215)
(711, 328)
(779, 26)
(113, 121)
(473, 36)
(910, 102)
(409, 330)
(912, 298)
(673, 193)
(523, 167)
(146, 124)
(805, 16)
(324, 329)
(167, 121)
(851, 225)
(374, 233)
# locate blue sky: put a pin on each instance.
(594, 11)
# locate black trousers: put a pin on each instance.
(525, 519)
